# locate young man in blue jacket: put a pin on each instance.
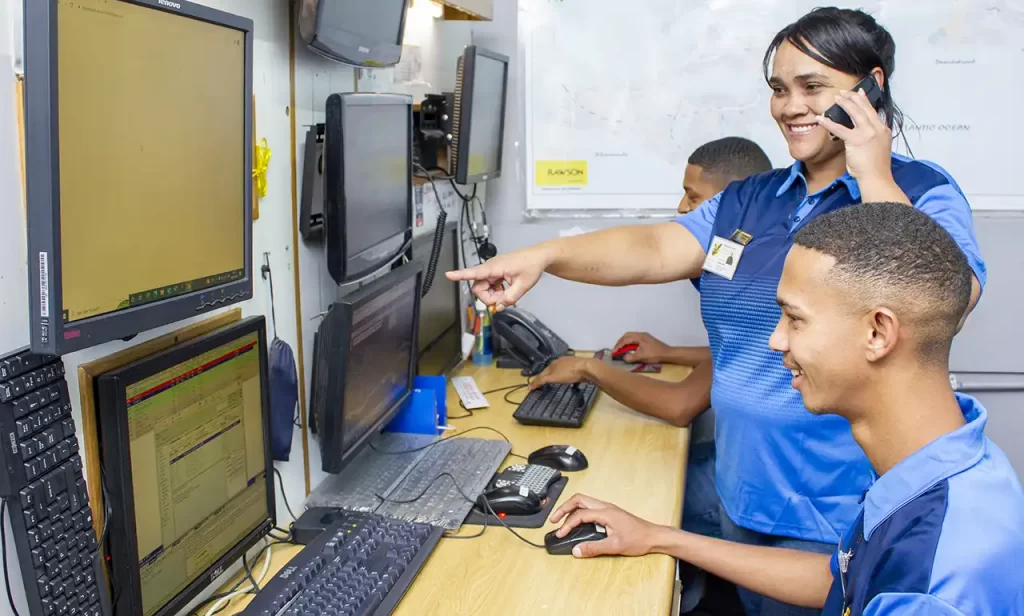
(871, 296)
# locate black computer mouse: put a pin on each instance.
(584, 532)
(511, 500)
(560, 457)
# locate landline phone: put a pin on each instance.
(525, 342)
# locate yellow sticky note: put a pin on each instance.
(561, 173)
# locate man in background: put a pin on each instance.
(709, 170)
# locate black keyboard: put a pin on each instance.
(361, 565)
(560, 405)
(41, 482)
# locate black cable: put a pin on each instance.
(509, 393)
(509, 389)
(3, 545)
(482, 529)
(458, 488)
(439, 441)
(248, 573)
(455, 187)
(477, 240)
(435, 251)
(425, 490)
(284, 496)
(509, 528)
(472, 234)
(462, 241)
(286, 531)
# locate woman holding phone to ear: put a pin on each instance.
(786, 477)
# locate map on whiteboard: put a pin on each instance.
(612, 118)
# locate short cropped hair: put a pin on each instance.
(731, 158)
(894, 255)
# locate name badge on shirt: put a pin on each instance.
(723, 257)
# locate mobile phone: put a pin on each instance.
(838, 115)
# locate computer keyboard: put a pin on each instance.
(404, 476)
(361, 565)
(42, 484)
(562, 405)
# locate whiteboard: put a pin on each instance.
(611, 117)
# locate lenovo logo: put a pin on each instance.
(168, 3)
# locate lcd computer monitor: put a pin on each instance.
(138, 166)
(367, 170)
(186, 465)
(357, 32)
(440, 313)
(365, 363)
(478, 123)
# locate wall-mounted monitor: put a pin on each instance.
(138, 164)
(478, 118)
(367, 169)
(358, 32)
(364, 363)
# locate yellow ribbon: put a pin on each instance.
(261, 164)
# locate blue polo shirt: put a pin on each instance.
(782, 470)
(941, 533)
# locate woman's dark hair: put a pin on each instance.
(849, 41)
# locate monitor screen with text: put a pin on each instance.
(197, 465)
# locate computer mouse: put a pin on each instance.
(584, 532)
(510, 500)
(621, 352)
(560, 457)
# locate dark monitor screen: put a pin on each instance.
(376, 165)
(488, 108)
(379, 369)
(480, 100)
(186, 463)
(137, 217)
(366, 352)
(367, 181)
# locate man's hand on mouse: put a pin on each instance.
(628, 535)
(501, 281)
(649, 350)
(563, 370)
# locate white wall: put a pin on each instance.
(670, 311)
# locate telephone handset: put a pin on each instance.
(525, 342)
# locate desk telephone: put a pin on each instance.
(525, 342)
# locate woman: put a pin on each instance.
(786, 477)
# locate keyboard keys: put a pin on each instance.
(45, 489)
(355, 583)
(10, 368)
(561, 405)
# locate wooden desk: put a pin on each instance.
(635, 461)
